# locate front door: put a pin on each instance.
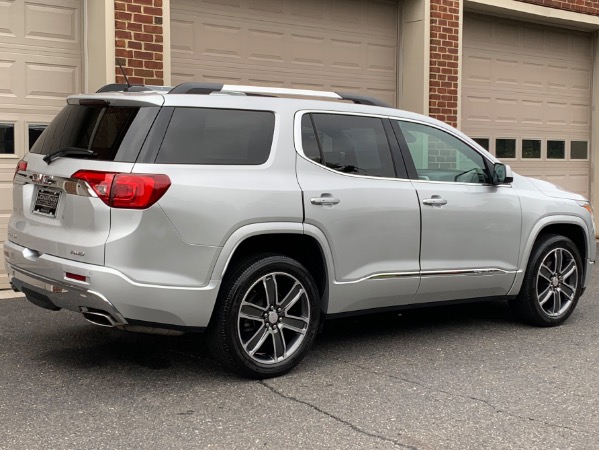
(470, 228)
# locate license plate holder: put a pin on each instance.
(46, 202)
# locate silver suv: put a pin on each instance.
(252, 216)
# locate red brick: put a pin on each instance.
(154, 29)
(148, 46)
(144, 55)
(143, 18)
(143, 37)
(133, 26)
(121, 15)
(134, 8)
(153, 11)
(120, 34)
(152, 64)
(143, 73)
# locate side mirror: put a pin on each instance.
(502, 174)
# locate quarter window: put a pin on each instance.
(348, 144)
(439, 156)
(217, 136)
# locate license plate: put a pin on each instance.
(46, 202)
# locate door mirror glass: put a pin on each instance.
(502, 174)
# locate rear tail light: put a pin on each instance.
(75, 276)
(21, 166)
(125, 190)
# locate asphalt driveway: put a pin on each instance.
(448, 378)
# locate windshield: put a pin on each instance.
(102, 129)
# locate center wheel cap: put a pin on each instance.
(555, 282)
(273, 317)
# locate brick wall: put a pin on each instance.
(445, 22)
(139, 41)
(581, 6)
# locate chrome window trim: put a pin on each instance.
(297, 140)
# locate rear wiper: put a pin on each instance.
(68, 151)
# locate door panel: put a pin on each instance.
(470, 228)
(370, 219)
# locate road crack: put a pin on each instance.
(468, 397)
(337, 419)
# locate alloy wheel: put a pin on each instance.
(557, 282)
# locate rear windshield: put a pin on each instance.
(103, 129)
(217, 136)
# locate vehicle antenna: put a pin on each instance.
(118, 61)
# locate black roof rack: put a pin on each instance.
(208, 88)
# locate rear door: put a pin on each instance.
(470, 228)
(57, 215)
(358, 196)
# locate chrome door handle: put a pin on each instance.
(435, 201)
(324, 200)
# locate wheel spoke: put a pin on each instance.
(256, 341)
(569, 269)
(297, 324)
(568, 291)
(545, 296)
(545, 272)
(559, 257)
(279, 345)
(251, 311)
(292, 297)
(557, 302)
(270, 288)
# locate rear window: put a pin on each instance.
(113, 133)
(217, 136)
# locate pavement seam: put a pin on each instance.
(338, 419)
(455, 394)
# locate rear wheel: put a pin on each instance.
(552, 283)
(266, 317)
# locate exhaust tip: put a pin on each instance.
(98, 317)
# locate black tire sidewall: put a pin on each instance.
(241, 280)
(529, 288)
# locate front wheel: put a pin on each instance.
(266, 317)
(552, 283)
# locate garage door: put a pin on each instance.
(40, 64)
(339, 45)
(526, 95)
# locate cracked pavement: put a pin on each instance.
(446, 378)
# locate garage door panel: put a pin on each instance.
(305, 45)
(40, 65)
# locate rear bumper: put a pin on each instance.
(42, 280)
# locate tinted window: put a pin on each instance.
(99, 128)
(217, 136)
(439, 156)
(349, 144)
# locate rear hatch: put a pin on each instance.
(55, 211)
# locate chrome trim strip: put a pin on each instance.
(280, 91)
(68, 185)
(432, 273)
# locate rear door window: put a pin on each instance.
(348, 144)
(217, 136)
(113, 133)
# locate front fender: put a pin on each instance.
(533, 236)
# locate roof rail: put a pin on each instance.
(209, 88)
(122, 87)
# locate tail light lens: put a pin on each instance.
(21, 166)
(125, 190)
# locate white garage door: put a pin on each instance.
(40, 64)
(339, 45)
(526, 95)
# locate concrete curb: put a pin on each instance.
(9, 293)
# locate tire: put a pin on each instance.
(266, 317)
(552, 283)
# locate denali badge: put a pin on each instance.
(73, 252)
